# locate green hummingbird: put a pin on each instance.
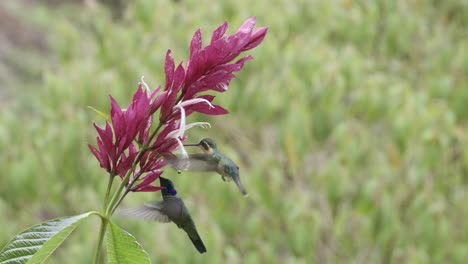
(211, 160)
(171, 208)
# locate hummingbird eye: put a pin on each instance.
(205, 145)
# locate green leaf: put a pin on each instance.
(102, 114)
(122, 247)
(37, 243)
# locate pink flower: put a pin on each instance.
(208, 69)
(146, 182)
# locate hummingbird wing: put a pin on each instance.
(195, 162)
(150, 211)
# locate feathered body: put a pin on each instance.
(211, 160)
(171, 208)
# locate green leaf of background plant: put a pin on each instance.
(122, 247)
(37, 243)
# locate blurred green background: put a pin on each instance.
(350, 127)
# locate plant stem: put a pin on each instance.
(129, 188)
(120, 200)
(104, 220)
(102, 232)
(109, 187)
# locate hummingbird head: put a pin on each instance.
(169, 187)
(207, 145)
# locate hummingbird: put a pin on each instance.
(171, 208)
(211, 160)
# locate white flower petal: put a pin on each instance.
(182, 121)
(202, 124)
(148, 90)
(179, 133)
(194, 101)
(182, 149)
(222, 86)
(174, 133)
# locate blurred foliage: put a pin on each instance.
(349, 128)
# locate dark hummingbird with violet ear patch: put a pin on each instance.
(171, 208)
(211, 160)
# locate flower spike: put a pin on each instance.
(132, 146)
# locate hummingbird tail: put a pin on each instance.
(240, 186)
(198, 243)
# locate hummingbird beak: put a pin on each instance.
(191, 145)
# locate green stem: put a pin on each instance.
(104, 220)
(120, 200)
(129, 188)
(102, 232)
(109, 187)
